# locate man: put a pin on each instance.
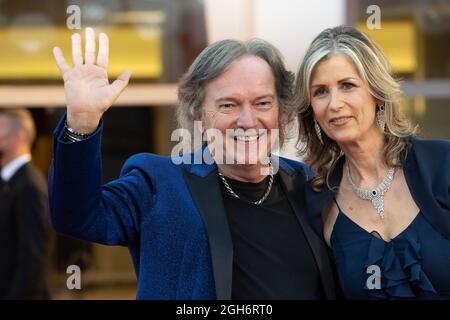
(23, 211)
(228, 229)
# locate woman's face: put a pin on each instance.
(341, 101)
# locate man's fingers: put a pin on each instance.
(89, 54)
(60, 61)
(120, 83)
(77, 57)
(103, 50)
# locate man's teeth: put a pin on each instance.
(246, 138)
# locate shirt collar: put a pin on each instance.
(12, 167)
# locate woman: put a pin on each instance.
(380, 195)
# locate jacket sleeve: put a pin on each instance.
(81, 207)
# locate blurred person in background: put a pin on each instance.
(24, 229)
(194, 230)
(381, 195)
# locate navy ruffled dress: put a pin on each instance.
(414, 265)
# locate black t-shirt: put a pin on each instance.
(272, 258)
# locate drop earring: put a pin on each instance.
(318, 132)
(381, 118)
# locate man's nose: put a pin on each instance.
(247, 117)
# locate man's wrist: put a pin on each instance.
(73, 136)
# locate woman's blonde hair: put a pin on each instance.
(374, 69)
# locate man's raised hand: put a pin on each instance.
(86, 85)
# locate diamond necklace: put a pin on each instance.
(264, 197)
(375, 195)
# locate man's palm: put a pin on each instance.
(86, 85)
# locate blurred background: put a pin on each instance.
(157, 40)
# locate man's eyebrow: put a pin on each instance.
(233, 99)
(264, 96)
(227, 98)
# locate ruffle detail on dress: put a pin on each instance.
(399, 260)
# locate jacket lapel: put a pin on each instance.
(294, 187)
(204, 186)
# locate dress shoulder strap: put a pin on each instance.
(335, 201)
